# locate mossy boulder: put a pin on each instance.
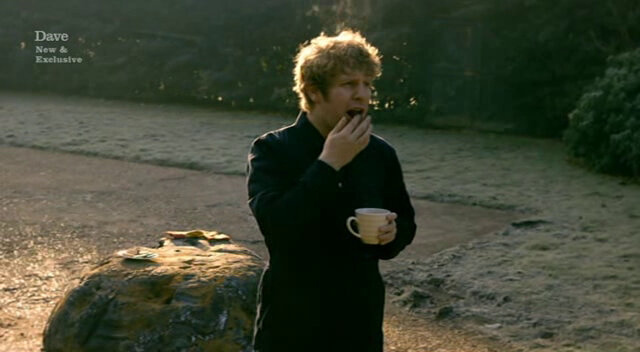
(195, 295)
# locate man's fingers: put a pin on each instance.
(387, 233)
(386, 228)
(340, 125)
(353, 124)
(362, 128)
(364, 138)
(386, 238)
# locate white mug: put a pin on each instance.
(368, 220)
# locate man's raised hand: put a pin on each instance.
(346, 140)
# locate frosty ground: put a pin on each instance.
(514, 244)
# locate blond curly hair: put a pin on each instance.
(323, 58)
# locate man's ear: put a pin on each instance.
(314, 94)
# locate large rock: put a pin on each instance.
(195, 296)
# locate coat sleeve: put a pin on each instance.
(398, 201)
(285, 204)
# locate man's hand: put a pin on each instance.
(346, 140)
(387, 233)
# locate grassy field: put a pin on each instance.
(565, 280)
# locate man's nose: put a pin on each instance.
(362, 92)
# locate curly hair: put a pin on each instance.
(323, 58)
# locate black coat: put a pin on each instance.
(322, 289)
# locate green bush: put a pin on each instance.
(516, 63)
(604, 128)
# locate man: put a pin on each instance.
(322, 289)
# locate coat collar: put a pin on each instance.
(312, 139)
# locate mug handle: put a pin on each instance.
(352, 218)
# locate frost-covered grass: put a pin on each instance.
(570, 279)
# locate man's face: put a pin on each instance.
(348, 95)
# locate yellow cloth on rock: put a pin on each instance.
(208, 235)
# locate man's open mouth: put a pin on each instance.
(355, 111)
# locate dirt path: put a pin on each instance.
(60, 213)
